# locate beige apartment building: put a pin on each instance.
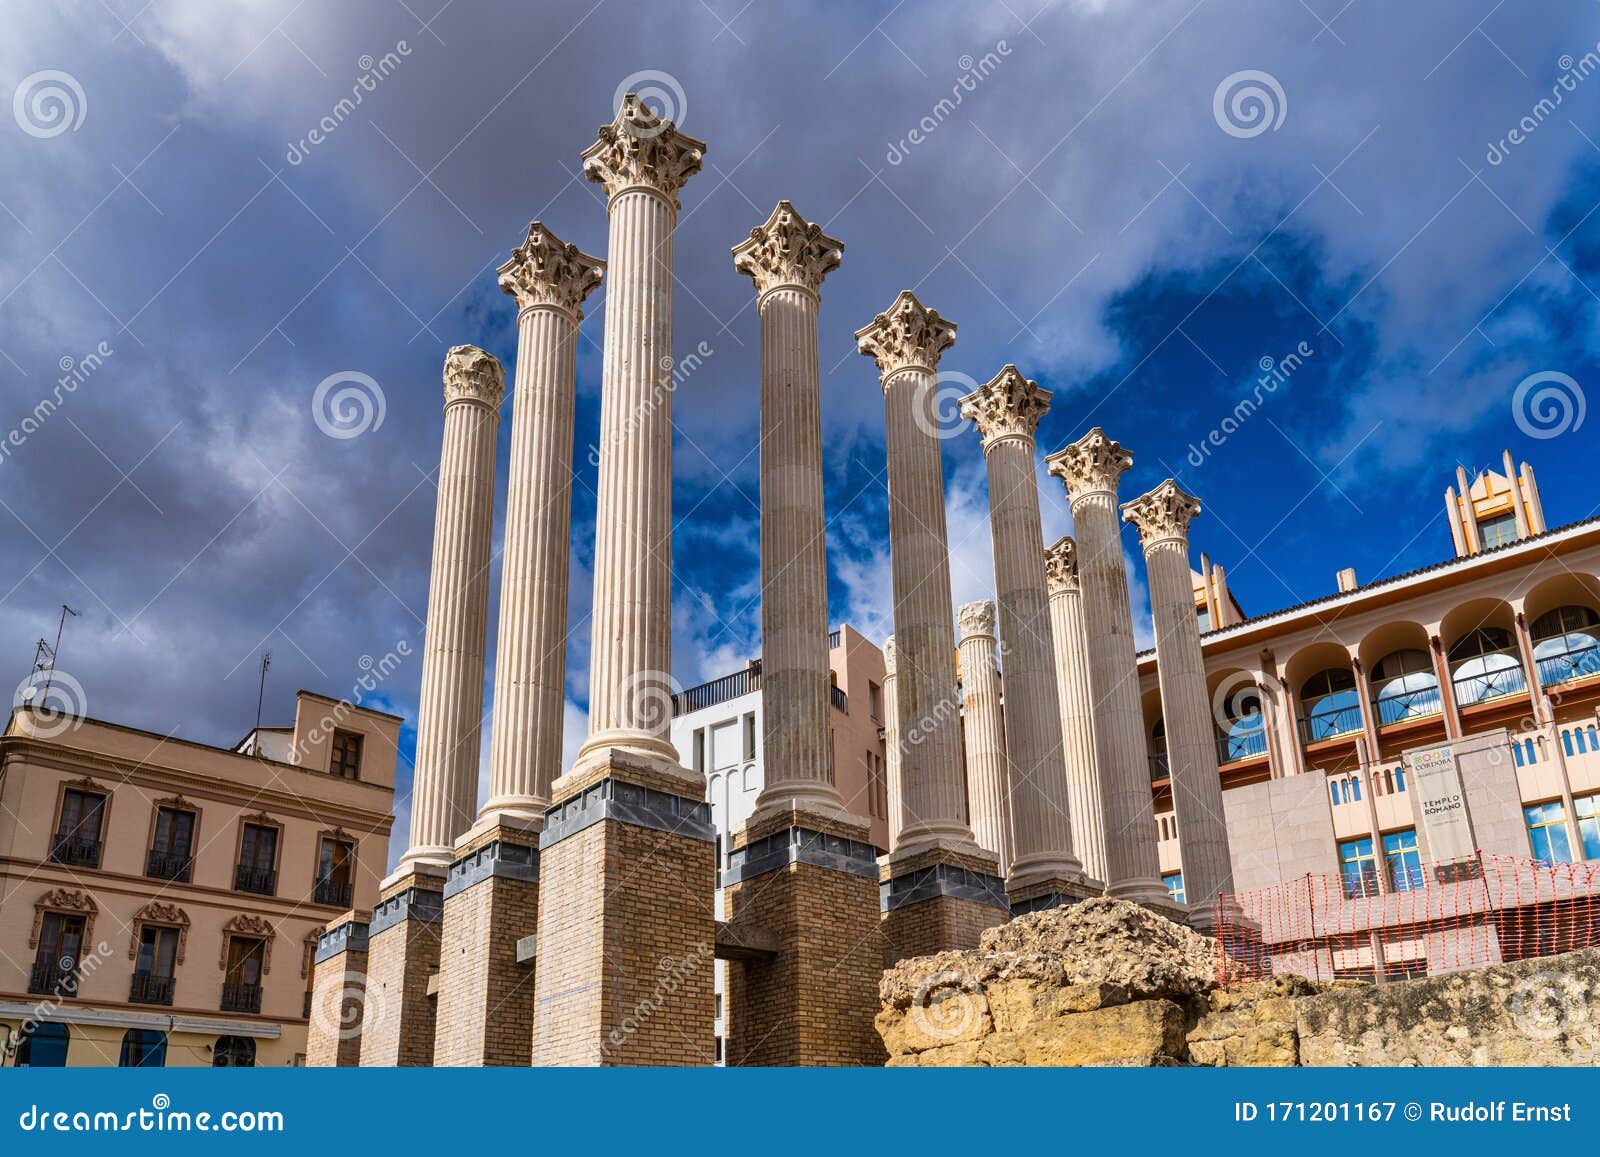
(160, 899)
(1484, 667)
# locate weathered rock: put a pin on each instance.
(1252, 1025)
(1146, 1032)
(1533, 1012)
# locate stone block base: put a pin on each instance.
(626, 923)
(402, 958)
(485, 1003)
(813, 1002)
(338, 993)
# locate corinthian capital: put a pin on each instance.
(976, 619)
(787, 250)
(908, 335)
(1094, 463)
(1163, 514)
(1009, 406)
(888, 657)
(639, 149)
(1061, 566)
(473, 375)
(545, 270)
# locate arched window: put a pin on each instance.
(43, 1047)
(1566, 645)
(1484, 665)
(233, 1052)
(144, 1048)
(1404, 686)
(1330, 704)
(1245, 733)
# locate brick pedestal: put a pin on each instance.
(402, 958)
(938, 901)
(1053, 892)
(339, 993)
(814, 884)
(626, 919)
(491, 901)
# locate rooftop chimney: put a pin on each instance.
(1347, 579)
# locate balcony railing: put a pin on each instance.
(241, 998)
(1414, 704)
(1480, 688)
(147, 988)
(169, 866)
(261, 881)
(335, 892)
(833, 638)
(837, 697)
(1160, 768)
(75, 851)
(51, 978)
(718, 690)
(1330, 724)
(1569, 665)
(1242, 745)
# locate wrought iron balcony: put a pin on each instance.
(1414, 704)
(1330, 724)
(53, 978)
(169, 866)
(1479, 688)
(1242, 745)
(261, 881)
(1160, 768)
(840, 703)
(332, 892)
(1569, 665)
(75, 851)
(147, 988)
(241, 998)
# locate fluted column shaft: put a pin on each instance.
(531, 655)
(983, 732)
(630, 659)
(1132, 866)
(794, 565)
(1077, 729)
(1041, 820)
(450, 714)
(931, 789)
(1191, 732)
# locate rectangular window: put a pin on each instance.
(171, 852)
(77, 838)
(875, 700)
(750, 736)
(335, 872)
(258, 861)
(1174, 883)
(1203, 613)
(55, 967)
(1588, 809)
(700, 749)
(1498, 531)
(346, 755)
(1547, 832)
(155, 968)
(241, 978)
(1402, 860)
(1359, 867)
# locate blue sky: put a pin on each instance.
(1086, 210)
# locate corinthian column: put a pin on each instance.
(444, 786)
(626, 801)
(1077, 705)
(1044, 872)
(800, 852)
(934, 852)
(1090, 469)
(549, 280)
(983, 730)
(642, 162)
(788, 258)
(1162, 517)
